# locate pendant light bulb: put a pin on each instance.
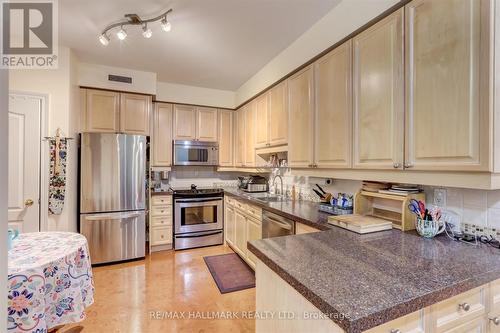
(122, 34)
(104, 39)
(147, 33)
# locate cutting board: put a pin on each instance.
(360, 223)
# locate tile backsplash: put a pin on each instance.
(475, 207)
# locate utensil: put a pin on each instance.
(321, 189)
(318, 194)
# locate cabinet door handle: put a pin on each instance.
(396, 165)
(408, 165)
(495, 321)
(395, 330)
(464, 306)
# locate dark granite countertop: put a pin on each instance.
(305, 212)
(153, 193)
(362, 281)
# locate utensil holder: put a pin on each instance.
(429, 229)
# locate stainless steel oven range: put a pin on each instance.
(198, 218)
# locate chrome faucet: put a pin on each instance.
(274, 183)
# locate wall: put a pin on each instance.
(476, 207)
(4, 89)
(342, 20)
(170, 92)
(183, 177)
(92, 75)
(63, 112)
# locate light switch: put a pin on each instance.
(440, 197)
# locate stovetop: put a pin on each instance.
(198, 192)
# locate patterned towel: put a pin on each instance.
(57, 182)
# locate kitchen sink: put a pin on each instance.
(266, 197)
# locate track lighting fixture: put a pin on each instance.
(134, 19)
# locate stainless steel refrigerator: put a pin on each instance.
(112, 195)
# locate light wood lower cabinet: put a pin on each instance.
(240, 236)
(229, 222)
(254, 232)
(161, 140)
(226, 138)
(275, 294)
(160, 225)
(243, 223)
(378, 83)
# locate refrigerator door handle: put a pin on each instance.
(117, 216)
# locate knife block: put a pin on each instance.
(391, 207)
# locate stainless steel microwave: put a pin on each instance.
(196, 153)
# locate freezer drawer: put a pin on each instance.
(114, 236)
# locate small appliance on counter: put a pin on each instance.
(253, 184)
(160, 181)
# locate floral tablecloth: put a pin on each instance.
(50, 281)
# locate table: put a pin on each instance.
(49, 281)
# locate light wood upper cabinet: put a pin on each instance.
(379, 95)
(262, 121)
(101, 111)
(134, 113)
(278, 115)
(333, 116)
(239, 137)
(162, 135)
(250, 134)
(300, 121)
(447, 115)
(184, 122)
(226, 138)
(195, 123)
(206, 124)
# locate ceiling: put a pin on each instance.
(217, 44)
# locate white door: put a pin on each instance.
(24, 162)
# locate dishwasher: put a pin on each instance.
(274, 225)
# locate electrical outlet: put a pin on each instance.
(440, 197)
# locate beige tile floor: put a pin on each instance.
(126, 295)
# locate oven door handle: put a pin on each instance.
(194, 236)
(285, 226)
(197, 200)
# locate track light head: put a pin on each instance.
(104, 39)
(146, 32)
(122, 34)
(165, 25)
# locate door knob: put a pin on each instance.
(28, 202)
(396, 165)
(495, 321)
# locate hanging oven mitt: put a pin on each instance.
(57, 182)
